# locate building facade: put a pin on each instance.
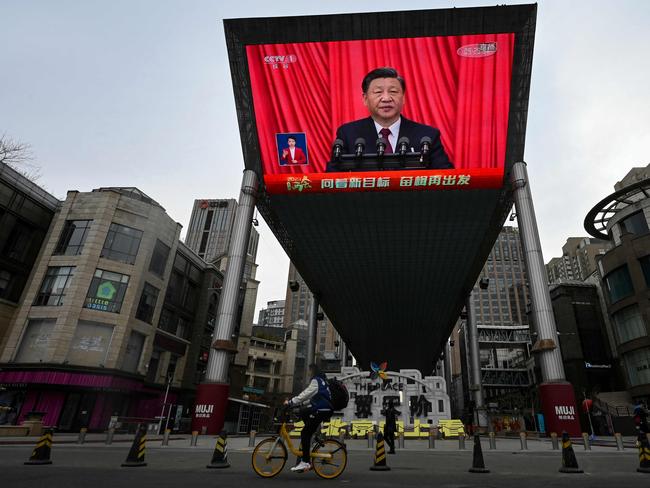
(500, 298)
(578, 260)
(329, 346)
(26, 212)
(272, 315)
(115, 314)
(624, 219)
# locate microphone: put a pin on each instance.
(359, 146)
(403, 146)
(381, 146)
(337, 149)
(425, 148)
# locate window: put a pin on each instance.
(635, 224)
(122, 243)
(441, 406)
(628, 324)
(645, 267)
(106, 291)
(637, 364)
(54, 286)
(147, 303)
(5, 279)
(159, 257)
(619, 284)
(133, 352)
(37, 341)
(90, 343)
(18, 244)
(72, 238)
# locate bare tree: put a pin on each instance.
(19, 156)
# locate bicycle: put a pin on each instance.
(329, 457)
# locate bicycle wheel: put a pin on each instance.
(332, 467)
(269, 457)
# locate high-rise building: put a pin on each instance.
(298, 304)
(578, 260)
(210, 231)
(272, 315)
(116, 310)
(209, 234)
(503, 333)
(26, 211)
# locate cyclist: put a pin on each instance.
(316, 399)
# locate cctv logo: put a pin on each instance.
(284, 61)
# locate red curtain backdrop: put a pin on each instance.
(316, 87)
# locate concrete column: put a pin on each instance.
(480, 414)
(312, 329)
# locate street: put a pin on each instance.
(99, 466)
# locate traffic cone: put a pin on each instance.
(220, 455)
(380, 455)
(42, 450)
(136, 454)
(478, 465)
(569, 461)
(644, 454)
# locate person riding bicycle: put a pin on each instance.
(318, 408)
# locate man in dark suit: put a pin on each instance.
(383, 94)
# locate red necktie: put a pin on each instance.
(385, 132)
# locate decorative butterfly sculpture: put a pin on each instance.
(378, 370)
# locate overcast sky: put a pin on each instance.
(138, 93)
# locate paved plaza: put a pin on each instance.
(180, 464)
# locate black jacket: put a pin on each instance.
(365, 128)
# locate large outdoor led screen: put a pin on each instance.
(452, 92)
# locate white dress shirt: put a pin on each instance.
(394, 132)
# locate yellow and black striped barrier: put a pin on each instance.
(569, 461)
(136, 454)
(379, 463)
(644, 454)
(43, 449)
(220, 455)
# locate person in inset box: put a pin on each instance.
(383, 93)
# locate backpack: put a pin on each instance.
(339, 396)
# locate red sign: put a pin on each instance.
(210, 407)
(559, 407)
(409, 180)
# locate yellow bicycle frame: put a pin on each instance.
(284, 435)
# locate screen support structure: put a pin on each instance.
(480, 414)
(312, 334)
(556, 395)
(212, 394)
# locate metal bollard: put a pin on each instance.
(195, 438)
(554, 441)
(342, 436)
(371, 439)
(165, 441)
(251, 438)
(461, 442)
(585, 441)
(432, 439)
(109, 435)
(82, 435)
(400, 440)
(619, 442)
(493, 441)
(523, 440)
